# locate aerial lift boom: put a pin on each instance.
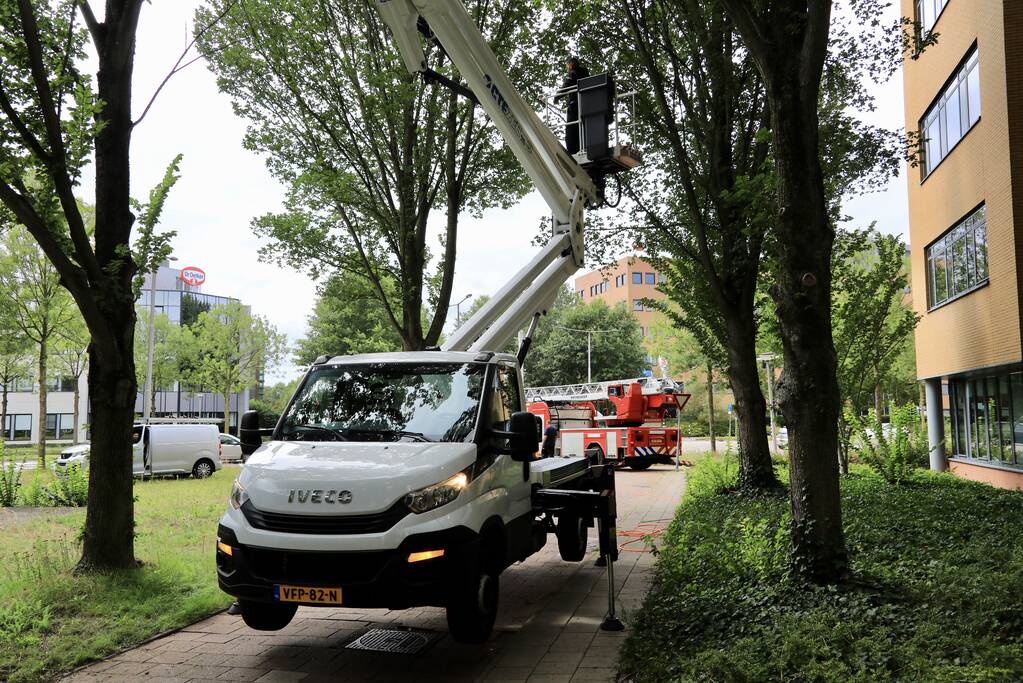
(565, 185)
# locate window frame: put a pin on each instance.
(960, 78)
(967, 231)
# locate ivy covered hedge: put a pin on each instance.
(935, 592)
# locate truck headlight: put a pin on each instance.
(238, 495)
(433, 497)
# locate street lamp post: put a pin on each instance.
(147, 393)
(766, 359)
(458, 308)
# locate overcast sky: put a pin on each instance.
(223, 187)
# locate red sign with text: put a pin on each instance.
(193, 276)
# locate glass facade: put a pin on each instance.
(954, 113)
(60, 425)
(987, 418)
(181, 307)
(957, 261)
(18, 427)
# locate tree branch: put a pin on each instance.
(96, 29)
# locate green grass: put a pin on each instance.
(936, 592)
(52, 620)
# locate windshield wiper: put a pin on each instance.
(337, 434)
(417, 436)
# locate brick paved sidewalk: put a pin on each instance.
(547, 628)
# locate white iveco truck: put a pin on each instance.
(407, 479)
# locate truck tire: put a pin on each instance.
(204, 468)
(572, 532)
(640, 465)
(595, 454)
(267, 616)
(472, 608)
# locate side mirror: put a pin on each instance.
(249, 432)
(522, 435)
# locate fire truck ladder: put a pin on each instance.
(594, 391)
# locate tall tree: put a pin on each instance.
(572, 333)
(71, 356)
(872, 322)
(368, 151)
(230, 348)
(51, 120)
(790, 42)
(39, 307)
(169, 348)
(15, 363)
(348, 318)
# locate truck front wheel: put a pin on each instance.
(473, 607)
(571, 532)
(267, 616)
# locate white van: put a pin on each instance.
(175, 449)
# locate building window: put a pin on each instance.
(59, 425)
(637, 304)
(651, 278)
(957, 261)
(637, 278)
(582, 294)
(18, 427)
(661, 279)
(927, 12)
(603, 286)
(952, 115)
(24, 384)
(987, 418)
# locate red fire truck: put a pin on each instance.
(621, 420)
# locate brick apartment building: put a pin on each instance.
(965, 97)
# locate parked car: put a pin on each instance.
(230, 448)
(72, 455)
(162, 449)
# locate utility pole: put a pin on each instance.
(766, 359)
(589, 352)
(147, 393)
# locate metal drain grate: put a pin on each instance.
(393, 641)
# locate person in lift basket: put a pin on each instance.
(575, 71)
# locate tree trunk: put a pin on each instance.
(108, 536)
(710, 408)
(756, 471)
(41, 452)
(877, 402)
(807, 391)
(227, 412)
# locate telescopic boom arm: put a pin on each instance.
(563, 183)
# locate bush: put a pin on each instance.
(893, 452)
(10, 481)
(936, 592)
(69, 490)
(34, 495)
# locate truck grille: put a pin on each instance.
(315, 568)
(375, 523)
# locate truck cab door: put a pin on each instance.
(507, 399)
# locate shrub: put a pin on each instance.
(896, 453)
(714, 475)
(34, 495)
(71, 489)
(10, 481)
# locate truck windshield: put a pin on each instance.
(386, 402)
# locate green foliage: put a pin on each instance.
(34, 495)
(558, 354)
(369, 153)
(348, 318)
(713, 476)
(152, 248)
(872, 325)
(936, 593)
(893, 450)
(70, 489)
(10, 480)
(170, 350)
(268, 415)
